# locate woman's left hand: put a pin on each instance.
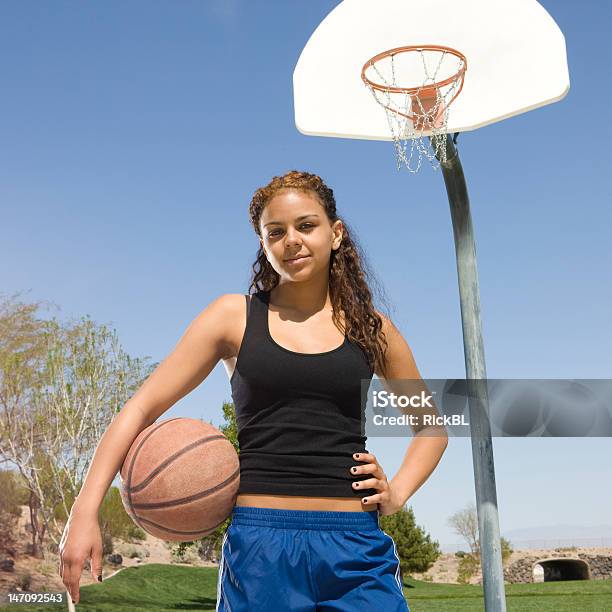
(388, 499)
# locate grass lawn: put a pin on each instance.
(171, 588)
(573, 595)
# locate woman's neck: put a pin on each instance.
(306, 298)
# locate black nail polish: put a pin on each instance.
(100, 578)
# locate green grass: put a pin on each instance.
(153, 586)
(158, 587)
(572, 595)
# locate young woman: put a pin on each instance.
(304, 532)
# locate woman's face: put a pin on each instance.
(294, 224)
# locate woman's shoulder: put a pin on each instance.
(398, 355)
(230, 320)
(232, 304)
(393, 335)
(387, 323)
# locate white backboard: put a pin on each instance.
(516, 61)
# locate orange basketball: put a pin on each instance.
(180, 478)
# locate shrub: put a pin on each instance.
(115, 521)
(136, 533)
(467, 567)
(25, 581)
(506, 549)
(107, 543)
(130, 551)
(47, 569)
(183, 554)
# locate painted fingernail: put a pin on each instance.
(355, 484)
(100, 578)
(356, 455)
(365, 500)
(353, 469)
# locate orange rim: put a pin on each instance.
(426, 89)
(412, 90)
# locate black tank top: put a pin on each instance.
(299, 415)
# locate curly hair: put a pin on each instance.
(349, 275)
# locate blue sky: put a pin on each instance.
(134, 134)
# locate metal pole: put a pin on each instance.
(482, 446)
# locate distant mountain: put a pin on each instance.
(548, 536)
(559, 531)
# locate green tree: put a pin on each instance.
(415, 549)
(230, 428)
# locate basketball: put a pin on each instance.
(179, 480)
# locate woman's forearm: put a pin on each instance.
(422, 457)
(109, 456)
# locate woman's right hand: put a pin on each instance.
(81, 540)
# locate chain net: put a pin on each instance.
(423, 112)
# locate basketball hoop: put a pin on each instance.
(416, 112)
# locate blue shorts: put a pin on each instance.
(276, 560)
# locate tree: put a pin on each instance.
(465, 523)
(230, 428)
(61, 384)
(415, 548)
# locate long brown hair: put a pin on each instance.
(349, 275)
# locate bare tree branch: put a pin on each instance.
(465, 523)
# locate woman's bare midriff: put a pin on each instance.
(294, 502)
